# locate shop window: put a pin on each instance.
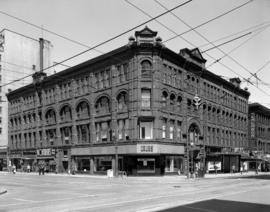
(146, 165)
(146, 98)
(102, 163)
(174, 164)
(146, 130)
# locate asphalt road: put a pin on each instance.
(30, 192)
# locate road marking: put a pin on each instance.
(26, 200)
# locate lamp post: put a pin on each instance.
(191, 158)
(116, 153)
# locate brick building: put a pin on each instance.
(259, 134)
(142, 108)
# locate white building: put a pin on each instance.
(20, 56)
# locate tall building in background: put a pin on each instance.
(20, 56)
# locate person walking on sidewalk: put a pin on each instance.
(14, 169)
(28, 168)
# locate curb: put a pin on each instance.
(3, 191)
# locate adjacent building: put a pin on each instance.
(141, 108)
(20, 56)
(259, 137)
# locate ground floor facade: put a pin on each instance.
(144, 158)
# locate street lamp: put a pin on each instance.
(191, 157)
(116, 153)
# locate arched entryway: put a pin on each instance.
(195, 149)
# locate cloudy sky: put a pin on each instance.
(90, 22)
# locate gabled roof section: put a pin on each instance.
(196, 53)
(146, 32)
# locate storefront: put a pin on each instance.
(223, 162)
(48, 157)
(137, 159)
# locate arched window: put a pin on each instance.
(178, 103)
(172, 100)
(146, 68)
(65, 113)
(50, 117)
(164, 99)
(102, 105)
(83, 110)
(122, 101)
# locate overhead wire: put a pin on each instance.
(249, 29)
(197, 32)
(208, 21)
(225, 54)
(108, 40)
(180, 35)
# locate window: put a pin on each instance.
(171, 129)
(120, 129)
(146, 130)
(163, 128)
(178, 130)
(146, 98)
(146, 68)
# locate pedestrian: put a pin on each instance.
(28, 168)
(41, 167)
(14, 169)
(241, 169)
(233, 168)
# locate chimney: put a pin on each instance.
(236, 82)
(41, 53)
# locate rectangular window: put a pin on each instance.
(171, 129)
(146, 98)
(164, 129)
(178, 131)
(146, 130)
(120, 129)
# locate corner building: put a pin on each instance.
(142, 105)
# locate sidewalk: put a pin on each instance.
(147, 178)
(238, 174)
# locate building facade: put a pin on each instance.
(141, 108)
(259, 134)
(19, 56)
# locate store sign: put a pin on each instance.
(146, 148)
(252, 125)
(45, 152)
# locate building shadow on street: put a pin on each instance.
(220, 206)
(261, 177)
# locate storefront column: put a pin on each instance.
(113, 163)
(92, 165)
(172, 165)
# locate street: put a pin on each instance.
(31, 192)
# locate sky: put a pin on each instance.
(91, 22)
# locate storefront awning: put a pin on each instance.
(224, 153)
